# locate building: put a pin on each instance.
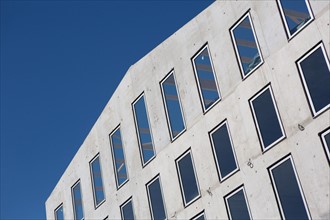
(227, 118)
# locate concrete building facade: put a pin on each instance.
(227, 118)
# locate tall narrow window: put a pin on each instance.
(236, 204)
(325, 136)
(187, 178)
(292, 204)
(246, 45)
(223, 151)
(143, 130)
(314, 69)
(267, 118)
(59, 215)
(199, 216)
(127, 210)
(118, 157)
(206, 79)
(295, 15)
(156, 201)
(172, 106)
(77, 201)
(96, 174)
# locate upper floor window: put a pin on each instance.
(59, 215)
(237, 206)
(325, 137)
(246, 45)
(96, 174)
(126, 210)
(77, 201)
(143, 130)
(314, 69)
(199, 216)
(295, 14)
(206, 79)
(172, 105)
(156, 201)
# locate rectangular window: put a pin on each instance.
(77, 201)
(236, 204)
(223, 151)
(206, 79)
(118, 157)
(246, 45)
(143, 130)
(156, 201)
(199, 216)
(325, 137)
(292, 204)
(314, 69)
(266, 117)
(126, 210)
(295, 15)
(187, 178)
(97, 183)
(172, 104)
(59, 215)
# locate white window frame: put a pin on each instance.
(223, 123)
(273, 166)
(268, 87)
(197, 78)
(287, 30)
(165, 105)
(114, 159)
(179, 176)
(73, 200)
(124, 204)
(142, 95)
(202, 213)
(247, 14)
(92, 178)
(58, 207)
(161, 191)
(233, 193)
(301, 59)
(325, 145)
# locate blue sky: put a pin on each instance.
(60, 63)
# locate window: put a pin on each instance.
(118, 157)
(155, 196)
(96, 174)
(143, 130)
(126, 210)
(325, 137)
(77, 201)
(206, 79)
(295, 15)
(266, 117)
(59, 215)
(236, 204)
(246, 45)
(187, 178)
(314, 69)
(199, 216)
(172, 104)
(292, 204)
(223, 151)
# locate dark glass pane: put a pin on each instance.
(266, 117)
(127, 211)
(246, 46)
(288, 191)
(206, 79)
(59, 215)
(77, 201)
(327, 141)
(97, 181)
(188, 178)
(237, 206)
(173, 106)
(146, 144)
(223, 151)
(156, 200)
(200, 217)
(317, 76)
(119, 157)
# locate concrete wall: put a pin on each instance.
(279, 68)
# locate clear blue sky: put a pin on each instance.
(60, 63)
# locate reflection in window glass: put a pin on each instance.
(77, 202)
(172, 106)
(295, 13)
(237, 205)
(118, 157)
(200, 216)
(206, 80)
(59, 215)
(288, 191)
(314, 69)
(223, 150)
(127, 210)
(246, 46)
(267, 120)
(325, 136)
(156, 201)
(143, 128)
(187, 178)
(97, 180)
